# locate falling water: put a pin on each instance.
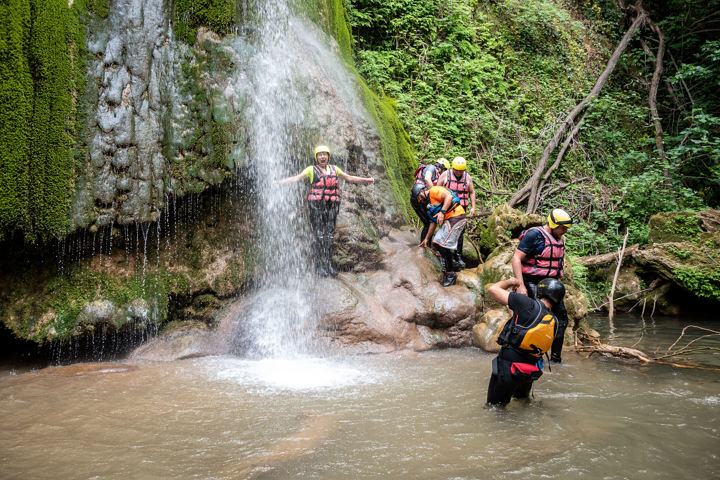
(283, 127)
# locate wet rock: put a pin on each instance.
(504, 224)
(485, 333)
(94, 313)
(113, 51)
(105, 187)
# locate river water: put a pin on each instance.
(408, 416)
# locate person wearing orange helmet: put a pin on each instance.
(324, 204)
(426, 176)
(539, 255)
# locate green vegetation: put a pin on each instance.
(64, 296)
(42, 67)
(491, 80)
(218, 15)
(701, 282)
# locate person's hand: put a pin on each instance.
(371, 180)
(440, 218)
(423, 244)
(521, 288)
(472, 212)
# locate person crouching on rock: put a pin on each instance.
(324, 204)
(525, 338)
(445, 212)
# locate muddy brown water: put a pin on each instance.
(401, 416)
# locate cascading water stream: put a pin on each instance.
(283, 59)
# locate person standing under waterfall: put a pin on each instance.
(426, 176)
(458, 180)
(525, 337)
(445, 211)
(541, 254)
(324, 204)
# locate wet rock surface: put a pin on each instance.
(399, 306)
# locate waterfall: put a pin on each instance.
(290, 76)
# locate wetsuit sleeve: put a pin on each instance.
(518, 302)
(309, 172)
(532, 243)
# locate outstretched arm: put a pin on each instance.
(354, 179)
(293, 179)
(499, 291)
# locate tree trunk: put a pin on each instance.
(532, 184)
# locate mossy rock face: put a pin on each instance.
(503, 224)
(674, 227)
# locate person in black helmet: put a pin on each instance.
(519, 362)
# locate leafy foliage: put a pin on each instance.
(490, 80)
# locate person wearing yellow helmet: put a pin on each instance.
(539, 255)
(426, 176)
(459, 181)
(323, 203)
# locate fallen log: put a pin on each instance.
(604, 258)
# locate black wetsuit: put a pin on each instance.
(504, 384)
(322, 220)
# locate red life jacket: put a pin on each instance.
(420, 174)
(549, 263)
(325, 187)
(460, 187)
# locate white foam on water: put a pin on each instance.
(301, 373)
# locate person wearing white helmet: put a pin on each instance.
(539, 255)
(324, 204)
(458, 180)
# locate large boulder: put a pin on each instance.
(504, 224)
(398, 306)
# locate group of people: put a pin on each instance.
(440, 196)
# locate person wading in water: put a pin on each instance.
(525, 338)
(323, 204)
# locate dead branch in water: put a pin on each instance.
(621, 252)
(595, 346)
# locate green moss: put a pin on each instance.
(218, 15)
(41, 76)
(16, 91)
(101, 8)
(674, 227)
